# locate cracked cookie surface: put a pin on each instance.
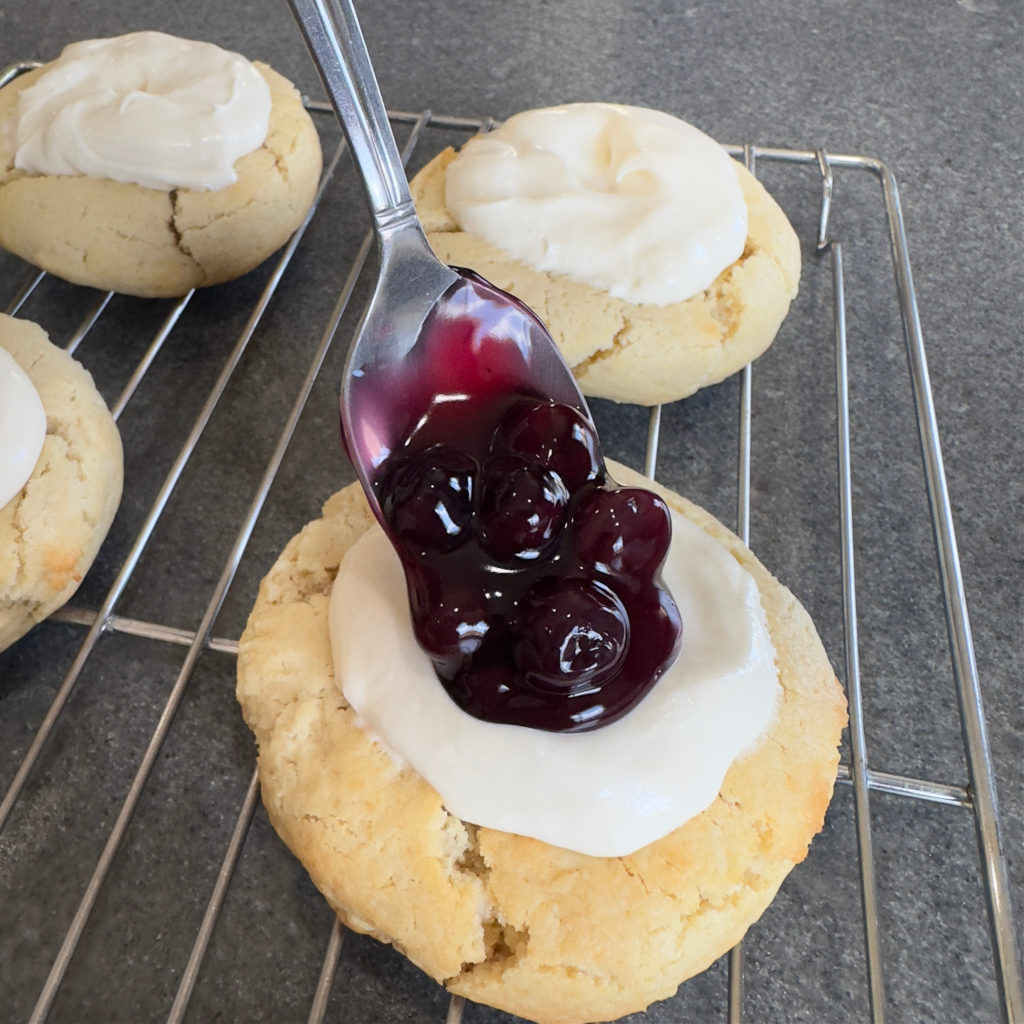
(539, 931)
(640, 353)
(161, 243)
(52, 529)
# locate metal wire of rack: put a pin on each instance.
(92, 623)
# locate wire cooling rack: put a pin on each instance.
(139, 877)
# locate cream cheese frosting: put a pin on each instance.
(22, 427)
(147, 108)
(604, 793)
(628, 200)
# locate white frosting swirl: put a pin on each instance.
(22, 427)
(605, 793)
(147, 108)
(628, 200)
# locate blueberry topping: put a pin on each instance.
(554, 436)
(428, 498)
(522, 508)
(622, 531)
(534, 584)
(572, 634)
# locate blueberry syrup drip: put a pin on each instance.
(534, 582)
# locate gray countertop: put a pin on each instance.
(934, 91)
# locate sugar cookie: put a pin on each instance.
(52, 529)
(533, 929)
(630, 351)
(160, 241)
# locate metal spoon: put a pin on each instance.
(395, 365)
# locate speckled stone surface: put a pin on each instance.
(932, 89)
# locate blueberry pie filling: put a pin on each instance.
(534, 582)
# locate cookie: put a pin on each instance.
(156, 242)
(640, 353)
(52, 529)
(540, 931)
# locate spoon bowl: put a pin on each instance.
(431, 332)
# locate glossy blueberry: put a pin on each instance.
(452, 630)
(428, 498)
(623, 532)
(573, 633)
(553, 435)
(521, 510)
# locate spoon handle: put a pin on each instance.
(332, 33)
